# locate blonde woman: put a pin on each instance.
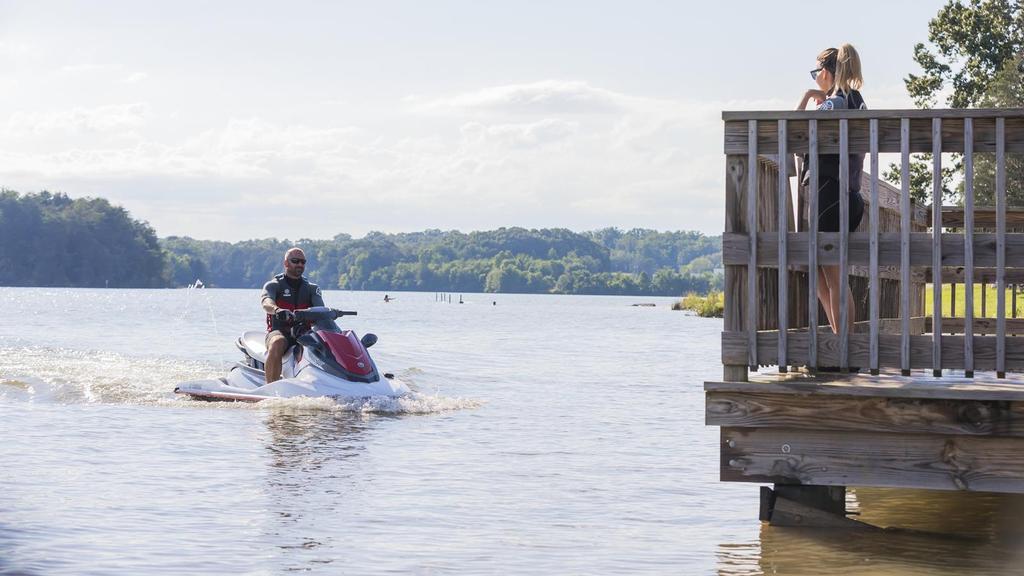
(839, 80)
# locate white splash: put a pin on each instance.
(61, 376)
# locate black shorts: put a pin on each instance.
(288, 337)
(828, 207)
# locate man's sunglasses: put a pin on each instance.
(297, 260)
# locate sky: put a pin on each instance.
(237, 120)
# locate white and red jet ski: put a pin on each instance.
(327, 361)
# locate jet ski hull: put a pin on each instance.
(326, 361)
(245, 384)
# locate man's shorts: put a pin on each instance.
(288, 337)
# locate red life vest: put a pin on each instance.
(289, 300)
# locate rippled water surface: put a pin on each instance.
(546, 434)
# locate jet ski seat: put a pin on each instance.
(254, 343)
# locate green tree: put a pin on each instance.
(1006, 90)
(52, 240)
(969, 45)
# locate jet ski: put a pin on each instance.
(326, 361)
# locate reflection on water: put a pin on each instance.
(309, 474)
(304, 442)
(926, 532)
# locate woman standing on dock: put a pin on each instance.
(839, 78)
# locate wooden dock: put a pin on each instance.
(939, 401)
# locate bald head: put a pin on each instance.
(294, 262)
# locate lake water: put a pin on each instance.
(547, 434)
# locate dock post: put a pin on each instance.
(807, 506)
(738, 170)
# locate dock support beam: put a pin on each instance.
(807, 506)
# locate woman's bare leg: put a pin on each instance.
(825, 297)
(832, 279)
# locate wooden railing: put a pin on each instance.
(755, 245)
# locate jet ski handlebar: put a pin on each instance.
(318, 313)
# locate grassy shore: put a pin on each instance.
(710, 306)
(990, 301)
(713, 305)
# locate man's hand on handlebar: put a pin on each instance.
(284, 315)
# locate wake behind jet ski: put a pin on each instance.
(326, 361)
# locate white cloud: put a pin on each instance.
(85, 68)
(523, 135)
(638, 162)
(545, 98)
(9, 49)
(102, 119)
(135, 78)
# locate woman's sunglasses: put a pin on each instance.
(815, 72)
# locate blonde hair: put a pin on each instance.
(844, 64)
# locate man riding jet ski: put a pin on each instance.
(303, 345)
(327, 361)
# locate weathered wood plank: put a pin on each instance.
(887, 114)
(844, 242)
(1000, 246)
(864, 413)
(984, 216)
(783, 227)
(958, 275)
(919, 132)
(752, 295)
(826, 458)
(735, 249)
(734, 347)
(905, 360)
(980, 326)
(812, 243)
(873, 249)
(735, 279)
(985, 387)
(937, 245)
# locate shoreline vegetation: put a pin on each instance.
(712, 305)
(709, 306)
(50, 239)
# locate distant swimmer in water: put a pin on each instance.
(388, 298)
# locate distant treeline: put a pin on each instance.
(51, 240)
(559, 261)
